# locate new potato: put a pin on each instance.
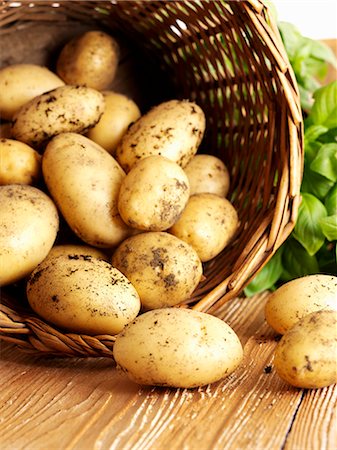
(173, 129)
(64, 109)
(20, 83)
(82, 294)
(19, 163)
(153, 194)
(177, 347)
(76, 249)
(306, 356)
(297, 298)
(28, 227)
(164, 270)
(84, 180)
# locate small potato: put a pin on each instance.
(65, 109)
(80, 250)
(306, 356)
(82, 294)
(208, 223)
(177, 347)
(119, 113)
(19, 163)
(90, 59)
(164, 270)
(28, 227)
(153, 194)
(298, 298)
(20, 83)
(173, 129)
(84, 181)
(207, 174)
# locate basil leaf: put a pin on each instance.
(316, 184)
(329, 137)
(324, 110)
(296, 261)
(313, 132)
(326, 258)
(307, 230)
(331, 201)
(329, 227)
(322, 52)
(325, 162)
(267, 277)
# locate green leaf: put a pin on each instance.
(296, 261)
(323, 52)
(329, 137)
(291, 37)
(267, 277)
(325, 162)
(324, 110)
(313, 132)
(326, 258)
(331, 201)
(315, 184)
(306, 98)
(329, 227)
(307, 230)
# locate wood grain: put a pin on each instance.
(74, 403)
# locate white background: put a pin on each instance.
(316, 19)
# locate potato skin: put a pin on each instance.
(173, 129)
(20, 83)
(82, 294)
(20, 164)
(153, 194)
(297, 298)
(207, 174)
(208, 223)
(65, 109)
(178, 348)
(28, 227)
(84, 181)
(164, 270)
(306, 356)
(120, 111)
(90, 59)
(75, 249)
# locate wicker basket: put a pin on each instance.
(229, 58)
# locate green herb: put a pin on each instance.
(312, 246)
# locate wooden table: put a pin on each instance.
(73, 403)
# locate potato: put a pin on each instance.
(28, 228)
(164, 270)
(84, 180)
(80, 250)
(208, 223)
(20, 164)
(177, 347)
(173, 129)
(153, 194)
(20, 83)
(207, 174)
(306, 356)
(120, 111)
(297, 298)
(90, 59)
(65, 109)
(82, 294)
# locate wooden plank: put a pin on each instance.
(86, 404)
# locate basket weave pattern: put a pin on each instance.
(228, 57)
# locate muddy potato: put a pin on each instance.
(19, 163)
(120, 111)
(297, 298)
(65, 109)
(82, 294)
(178, 348)
(80, 250)
(207, 174)
(306, 356)
(208, 223)
(164, 270)
(84, 181)
(20, 83)
(90, 59)
(173, 129)
(153, 194)
(28, 228)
